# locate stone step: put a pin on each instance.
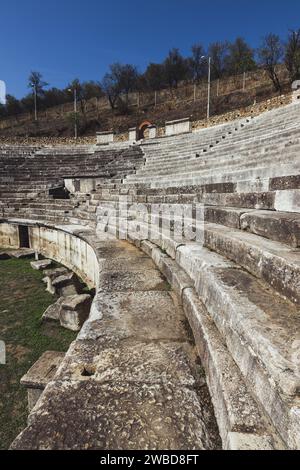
(273, 262)
(238, 160)
(259, 328)
(279, 226)
(133, 362)
(208, 177)
(239, 416)
(205, 163)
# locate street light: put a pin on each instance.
(209, 85)
(75, 110)
(33, 86)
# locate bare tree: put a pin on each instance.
(35, 80)
(121, 80)
(270, 54)
(292, 55)
(196, 63)
(218, 52)
(240, 58)
(155, 76)
(176, 68)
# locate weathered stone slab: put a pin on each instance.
(132, 134)
(139, 315)
(40, 374)
(74, 310)
(285, 182)
(104, 137)
(53, 273)
(145, 362)
(228, 216)
(262, 334)
(52, 312)
(43, 370)
(275, 263)
(132, 281)
(41, 265)
(69, 290)
(66, 284)
(256, 200)
(135, 265)
(118, 249)
(240, 441)
(236, 411)
(279, 226)
(4, 255)
(150, 418)
(22, 253)
(178, 126)
(287, 201)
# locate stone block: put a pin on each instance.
(132, 134)
(152, 132)
(236, 411)
(287, 201)
(41, 265)
(178, 126)
(53, 311)
(40, 374)
(279, 226)
(22, 253)
(105, 137)
(66, 284)
(74, 311)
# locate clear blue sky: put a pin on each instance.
(64, 39)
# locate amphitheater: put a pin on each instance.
(190, 343)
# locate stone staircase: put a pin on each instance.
(239, 286)
(242, 154)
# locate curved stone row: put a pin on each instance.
(131, 380)
(239, 286)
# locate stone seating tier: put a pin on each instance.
(240, 288)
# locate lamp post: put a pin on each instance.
(75, 110)
(33, 85)
(208, 85)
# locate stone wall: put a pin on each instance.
(66, 248)
(9, 236)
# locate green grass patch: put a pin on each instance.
(23, 299)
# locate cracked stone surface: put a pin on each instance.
(132, 378)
